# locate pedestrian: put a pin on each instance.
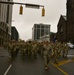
(46, 56)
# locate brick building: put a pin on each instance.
(65, 26)
(70, 20)
(62, 31)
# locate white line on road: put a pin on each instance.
(7, 69)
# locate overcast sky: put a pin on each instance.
(25, 22)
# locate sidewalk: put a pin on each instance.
(4, 58)
(3, 52)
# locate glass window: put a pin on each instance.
(42, 26)
(46, 32)
(38, 26)
(35, 26)
(46, 27)
(42, 32)
(35, 36)
(38, 33)
(8, 14)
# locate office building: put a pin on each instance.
(5, 22)
(40, 30)
(14, 34)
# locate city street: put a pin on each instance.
(29, 67)
(36, 42)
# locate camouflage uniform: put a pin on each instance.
(34, 51)
(46, 56)
(66, 51)
(55, 51)
(63, 49)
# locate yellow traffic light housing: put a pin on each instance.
(43, 11)
(21, 10)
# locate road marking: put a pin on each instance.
(7, 69)
(59, 68)
(63, 62)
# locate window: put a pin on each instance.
(7, 14)
(38, 26)
(38, 33)
(46, 32)
(42, 32)
(61, 30)
(42, 26)
(35, 26)
(47, 27)
(35, 34)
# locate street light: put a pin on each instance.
(27, 5)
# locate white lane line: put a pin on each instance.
(7, 69)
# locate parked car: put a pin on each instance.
(70, 45)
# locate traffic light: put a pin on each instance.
(21, 10)
(43, 11)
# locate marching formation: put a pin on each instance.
(31, 49)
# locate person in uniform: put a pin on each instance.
(66, 50)
(46, 56)
(63, 49)
(55, 49)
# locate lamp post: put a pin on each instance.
(36, 6)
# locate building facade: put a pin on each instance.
(5, 22)
(14, 34)
(39, 30)
(62, 29)
(70, 21)
(66, 24)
